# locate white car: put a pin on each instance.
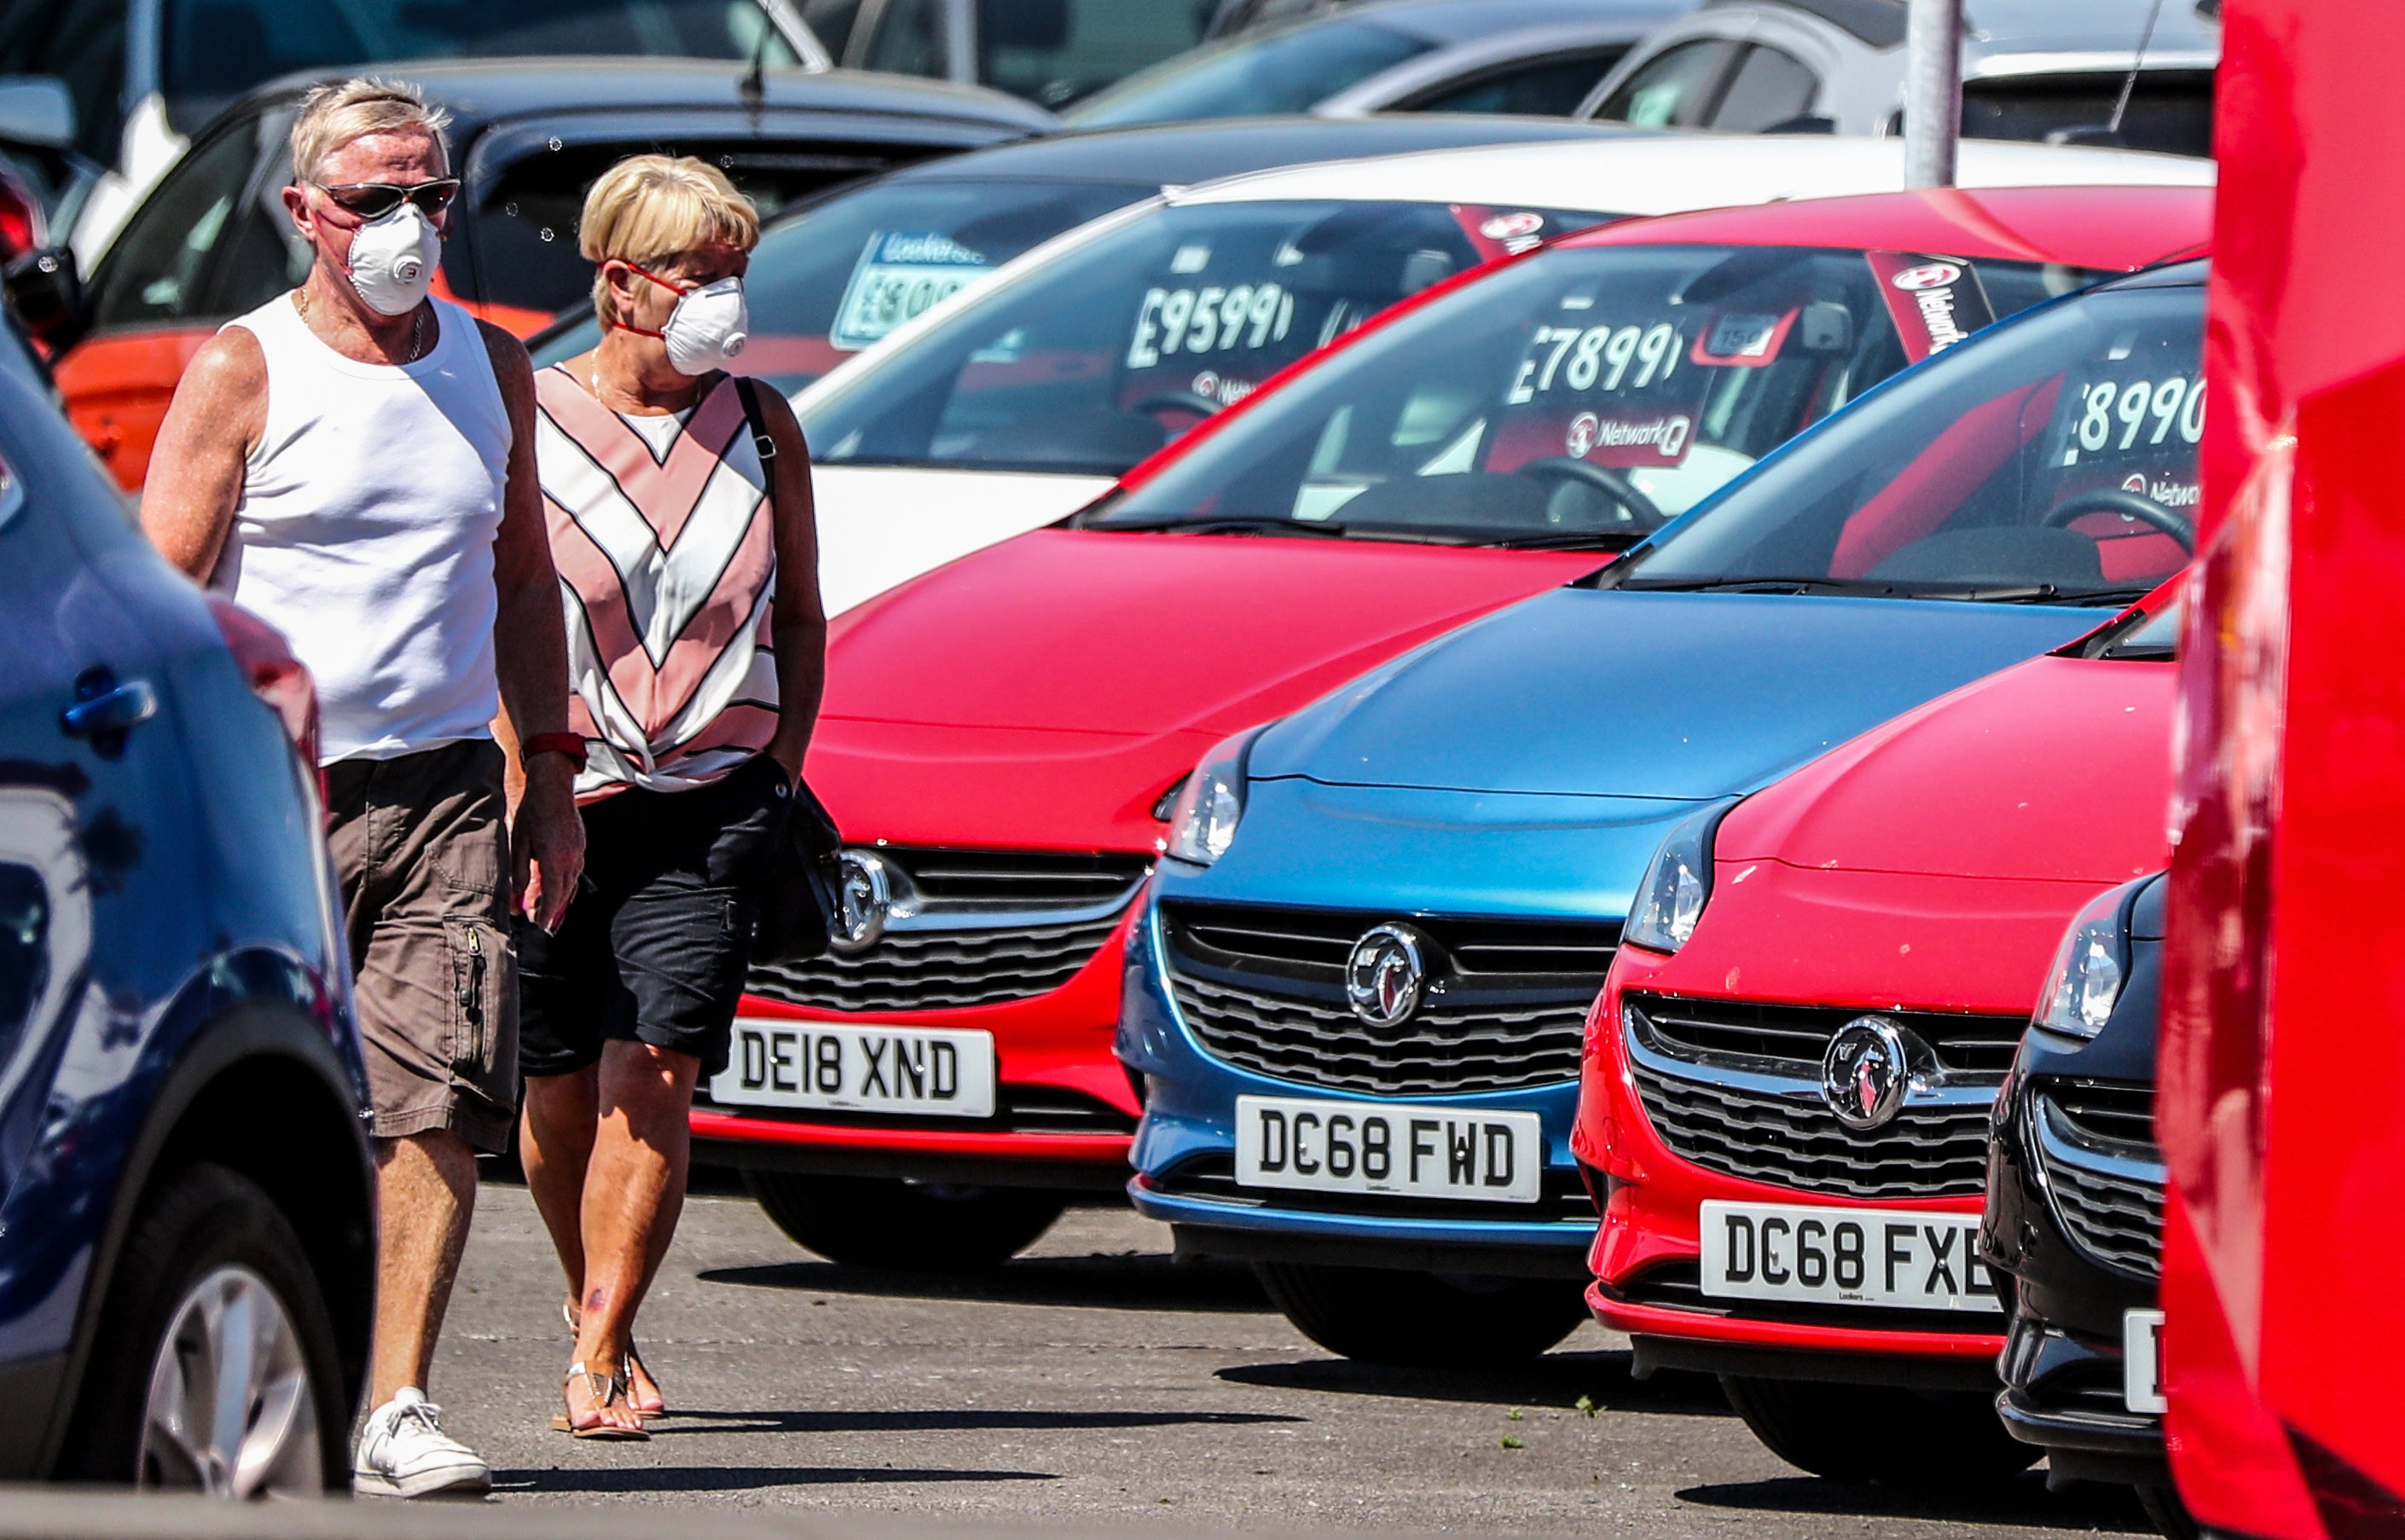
(1028, 394)
(2032, 70)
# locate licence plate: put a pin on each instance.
(2142, 1362)
(810, 1064)
(1375, 1147)
(1893, 1258)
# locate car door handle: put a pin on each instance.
(106, 709)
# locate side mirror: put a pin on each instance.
(46, 293)
(35, 110)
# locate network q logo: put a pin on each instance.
(1928, 275)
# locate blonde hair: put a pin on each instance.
(333, 116)
(648, 208)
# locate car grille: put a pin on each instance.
(971, 927)
(1265, 989)
(1734, 1086)
(2106, 1187)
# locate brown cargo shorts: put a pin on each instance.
(421, 846)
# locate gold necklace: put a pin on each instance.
(416, 325)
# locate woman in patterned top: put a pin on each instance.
(679, 501)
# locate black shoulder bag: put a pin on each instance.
(804, 889)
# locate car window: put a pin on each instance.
(1056, 52)
(2168, 109)
(908, 39)
(1094, 360)
(1552, 87)
(2056, 457)
(1580, 396)
(155, 272)
(1770, 87)
(82, 42)
(1674, 88)
(1293, 69)
(215, 50)
(831, 22)
(836, 277)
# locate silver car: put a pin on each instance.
(2050, 70)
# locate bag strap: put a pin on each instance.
(748, 394)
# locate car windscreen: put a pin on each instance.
(1575, 398)
(2053, 459)
(1290, 70)
(217, 49)
(835, 278)
(1092, 360)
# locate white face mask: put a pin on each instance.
(708, 328)
(392, 260)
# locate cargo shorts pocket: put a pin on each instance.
(484, 999)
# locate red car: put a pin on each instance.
(1785, 1100)
(1002, 739)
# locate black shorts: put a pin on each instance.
(656, 946)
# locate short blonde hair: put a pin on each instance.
(333, 116)
(648, 208)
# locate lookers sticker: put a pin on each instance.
(1935, 301)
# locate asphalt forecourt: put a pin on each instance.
(1091, 1383)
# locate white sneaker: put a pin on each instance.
(404, 1452)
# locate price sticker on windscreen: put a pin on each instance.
(901, 274)
(1935, 301)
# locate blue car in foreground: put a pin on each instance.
(1357, 993)
(186, 1207)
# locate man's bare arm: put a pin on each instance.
(217, 418)
(530, 658)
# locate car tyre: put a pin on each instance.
(1881, 1432)
(1421, 1319)
(2168, 1514)
(213, 1279)
(873, 1221)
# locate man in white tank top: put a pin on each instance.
(355, 462)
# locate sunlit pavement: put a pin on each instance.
(1094, 1382)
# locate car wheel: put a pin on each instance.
(1865, 1433)
(2168, 1515)
(872, 1222)
(1421, 1319)
(215, 1367)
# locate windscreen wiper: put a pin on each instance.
(1220, 526)
(2036, 593)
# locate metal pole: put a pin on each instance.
(1932, 92)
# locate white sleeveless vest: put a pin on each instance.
(365, 531)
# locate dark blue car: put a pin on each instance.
(1357, 992)
(186, 1245)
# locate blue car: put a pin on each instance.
(1357, 993)
(187, 1242)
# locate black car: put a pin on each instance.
(842, 271)
(529, 136)
(186, 1204)
(2074, 1223)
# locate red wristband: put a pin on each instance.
(570, 744)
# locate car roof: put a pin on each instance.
(1449, 22)
(1174, 154)
(1672, 172)
(477, 92)
(1994, 28)
(2121, 228)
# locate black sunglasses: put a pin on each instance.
(374, 199)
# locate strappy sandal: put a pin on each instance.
(627, 1370)
(605, 1389)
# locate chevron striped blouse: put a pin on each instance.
(667, 566)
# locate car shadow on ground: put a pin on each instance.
(607, 1479)
(1555, 1379)
(947, 1419)
(2025, 1501)
(1129, 1280)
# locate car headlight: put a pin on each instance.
(1203, 820)
(2090, 968)
(1671, 898)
